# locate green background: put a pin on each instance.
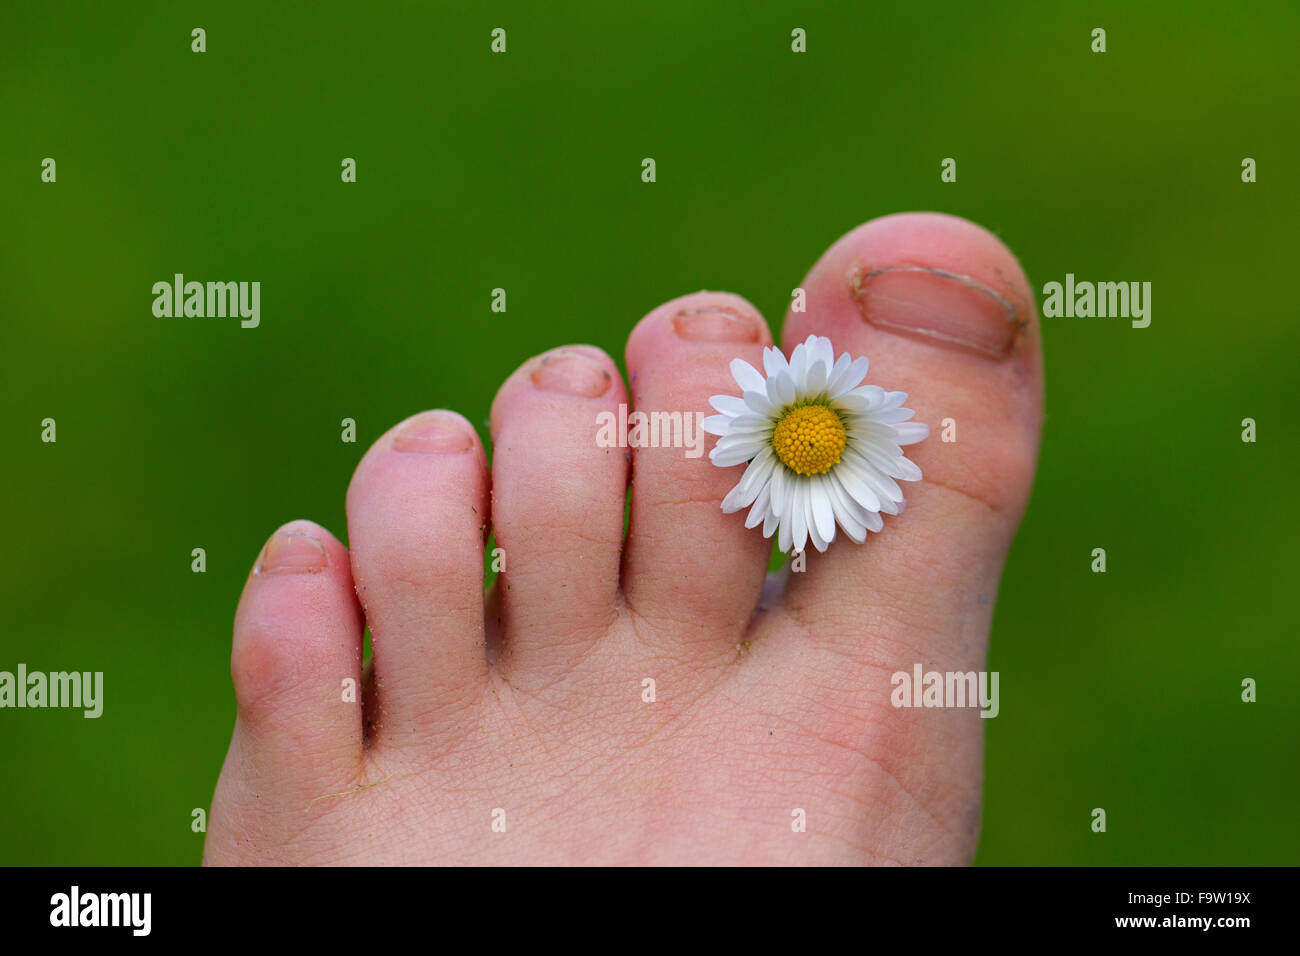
(1119, 690)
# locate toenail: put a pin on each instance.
(571, 372)
(946, 308)
(437, 432)
(716, 325)
(293, 552)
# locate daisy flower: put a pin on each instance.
(823, 449)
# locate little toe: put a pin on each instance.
(296, 666)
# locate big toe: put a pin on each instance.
(944, 312)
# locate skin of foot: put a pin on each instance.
(522, 727)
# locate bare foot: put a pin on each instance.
(516, 729)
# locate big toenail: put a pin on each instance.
(939, 306)
(572, 373)
(437, 432)
(293, 552)
(716, 325)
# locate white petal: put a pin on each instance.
(729, 505)
(847, 378)
(760, 510)
(728, 404)
(756, 477)
(746, 376)
(822, 351)
(717, 424)
(780, 390)
(799, 519)
(838, 370)
(742, 496)
(855, 482)
(818, 375)
(876, 437)
(774, 362)
(783, 533)
(751, 421)
(881, 452)
(863, 399)
(785, 388)
(728, 457)
(909, 433)
(864, 425)
(813, 535)
(846, 510)
(857, 533)
(789, 494)
(822, 512)
(758, 403)
(889, 463)
(780, 486)
(894, 416)
(799, 366)
(845, 502)
(906, 470)
(743, 440)
(884, 486)
(818, 542)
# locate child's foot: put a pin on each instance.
(519, 729)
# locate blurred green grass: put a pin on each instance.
(522, 171)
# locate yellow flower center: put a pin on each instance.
(809, 439)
